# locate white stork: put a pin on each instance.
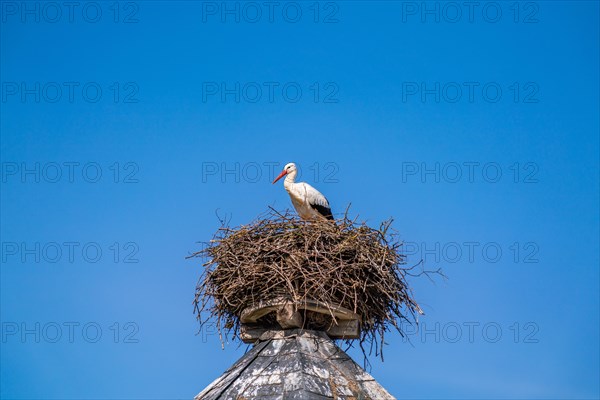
(308, 201)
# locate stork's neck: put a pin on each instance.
(290, 179)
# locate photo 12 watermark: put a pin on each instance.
(253, 12)
(470, 92)
(472, 252)
(471, 12)
(289, 92)
(69, 332)
(88, 172)
(70, 12)
(470, 332)
(525, 172)
(265, 171)
(70, 92)
(70, 252)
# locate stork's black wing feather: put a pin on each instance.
(324, 211)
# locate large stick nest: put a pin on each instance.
(339, 262)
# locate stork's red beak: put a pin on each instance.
(281, 175)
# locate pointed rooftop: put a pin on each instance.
(295, 364)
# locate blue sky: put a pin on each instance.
(126, 128)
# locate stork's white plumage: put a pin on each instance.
(308, 201)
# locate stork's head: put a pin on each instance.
(290, 169)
